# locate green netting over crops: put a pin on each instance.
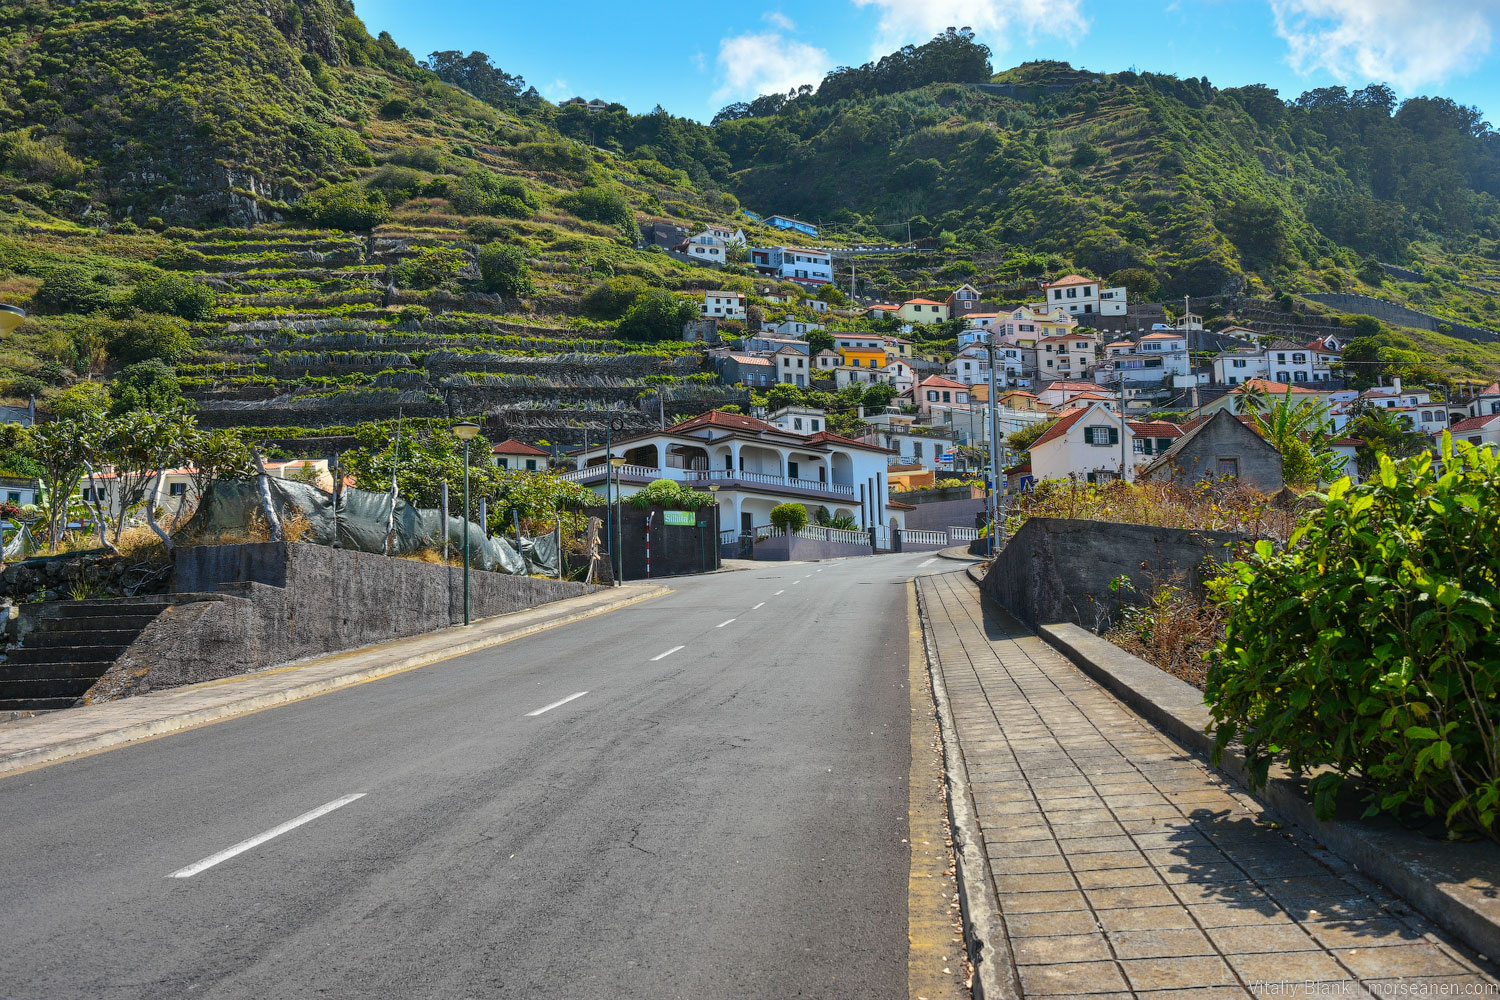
(361, 522)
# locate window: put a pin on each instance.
(1281, 358)
(1057, 294)
(932, 395)
(176, 489)
(1100, 435)
(531, 465)
(1229, 467)
(1239, 364)
(796, 423)
(1298, 359)
(916, 449)
(1141, 446)
(815, 425)
(12, 497)
(1072, 293)
(1162, 444)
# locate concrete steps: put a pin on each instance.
(70, 645)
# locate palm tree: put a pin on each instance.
(1301, 431)
(1383, 433)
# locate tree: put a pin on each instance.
(597, 204)
(60, 448)
(150, 338)
(216, 455)
(819, 341)
(832, 294)
(656, 315)
(503, 271)
(141, 445)
(344, 206)
(1023, 439)
(484, 192)
(789, 517)
(1140, 285)
(612, 297)
(73, 289)
(174, 295)
(1382, 434)
(147, 385)
(85, 399)
(878, 395)
(1301, 433)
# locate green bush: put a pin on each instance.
(613, 296)
(174, 295)
(155, 337)
(74, 290)
(483, 192)
(656, 315)
(671, 494)
(1367, 645)
(430, 267)
(503, 271)
(344, 206)
(789, 517)
(597, 204)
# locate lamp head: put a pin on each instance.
(465, 430)
(617, 462)
(10, 318)
(714, 488)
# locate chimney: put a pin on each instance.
(1396, 384)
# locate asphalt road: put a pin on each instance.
(726, 820)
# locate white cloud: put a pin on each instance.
(557, 90)
(767, 63)
(993, 21)
(1408, 43)
(777, 19)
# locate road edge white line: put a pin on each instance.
(667, 653)
(261, 838)
(556, 704)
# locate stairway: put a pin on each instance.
(69, 649)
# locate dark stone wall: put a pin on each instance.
(279, 602)
(1059, 569)
(675, 550)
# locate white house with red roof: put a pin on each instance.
(1486, 401)
(1086, 443)
(517, 455)
(1080, 296)
(755, 466)
(1482, 431)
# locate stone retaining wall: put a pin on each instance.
(1058, 569)
(280, 602)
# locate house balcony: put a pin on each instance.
(728, 479)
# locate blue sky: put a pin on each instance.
(694, 57)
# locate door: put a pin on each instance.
(791, 470)
(1229, 467)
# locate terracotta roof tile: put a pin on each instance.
(510, 446)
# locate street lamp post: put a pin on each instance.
(713, 491)
(618, 549)
(465, 430)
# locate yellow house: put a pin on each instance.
(922, 311)
(863, 357)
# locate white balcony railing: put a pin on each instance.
(924, 537)
(963, 534)
(598, 473)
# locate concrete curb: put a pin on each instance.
(1452, 884)
(958, 553)
(994, 970)
(28, 759)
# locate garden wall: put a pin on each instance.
(1058, 569)
(279, 602)
(795, 548)
(675, 549)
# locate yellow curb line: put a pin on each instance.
(28, 760)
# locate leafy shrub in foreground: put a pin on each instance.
(1367, 646)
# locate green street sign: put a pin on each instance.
(680, 518)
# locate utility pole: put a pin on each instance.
(1123, 427)
(994, 498)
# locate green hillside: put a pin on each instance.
(297, 228)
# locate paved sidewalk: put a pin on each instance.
(1126, 867)
(56, 735)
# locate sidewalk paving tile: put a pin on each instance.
(1125, 866)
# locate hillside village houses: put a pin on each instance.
(756, 465)
(1086, 443)
(724, 305)
(800, 264)
(1082, 296)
